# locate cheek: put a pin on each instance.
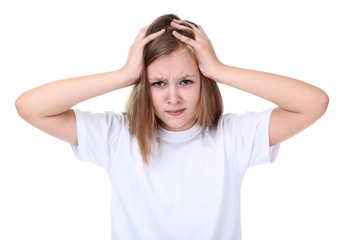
(194, 95)
(155, 99)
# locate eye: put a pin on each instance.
(186, 82)
(158, 84)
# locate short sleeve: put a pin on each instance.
(248, 136)
(98, 137)
(257, 140)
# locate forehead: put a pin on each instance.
(179, 62)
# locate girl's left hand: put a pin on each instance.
(205, 53)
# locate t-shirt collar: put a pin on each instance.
(179, 136)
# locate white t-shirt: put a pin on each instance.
(191, 188)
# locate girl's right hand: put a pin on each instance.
(134, 64)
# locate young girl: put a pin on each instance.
(174, 161)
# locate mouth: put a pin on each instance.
(176, 112)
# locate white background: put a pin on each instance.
(311, 192)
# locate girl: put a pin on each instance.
(174, 161)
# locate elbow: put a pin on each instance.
(21, 108)
(321, 104)
(324, 102)
(19, 103)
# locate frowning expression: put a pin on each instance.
(175, 89)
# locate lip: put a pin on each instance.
(176, 112)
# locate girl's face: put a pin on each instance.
(175, 89)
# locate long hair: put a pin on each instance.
(143, 123)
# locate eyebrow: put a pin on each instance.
(156, 79)
(160, 79)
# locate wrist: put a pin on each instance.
(217, 72)
(128, 76)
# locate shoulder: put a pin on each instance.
(235, 124)
(244, 118)
(101, 122)
(105, 117)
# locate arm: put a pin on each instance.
(299, 104)
(48, 107)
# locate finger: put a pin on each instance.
(186, 23)
(142, 32)
(202, 31)
(179, 24)
(184, 39)
(192, 24)
(152, 36)
(189, 26)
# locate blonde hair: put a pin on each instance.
(139, 109)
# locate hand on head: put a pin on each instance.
(134, 64)
(204, 51)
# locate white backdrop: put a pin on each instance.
(311, 192)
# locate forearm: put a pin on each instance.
(288, 93)
(57, 97)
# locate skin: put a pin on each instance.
(299, 104)
(175, 89)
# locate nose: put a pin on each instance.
(173, 95)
